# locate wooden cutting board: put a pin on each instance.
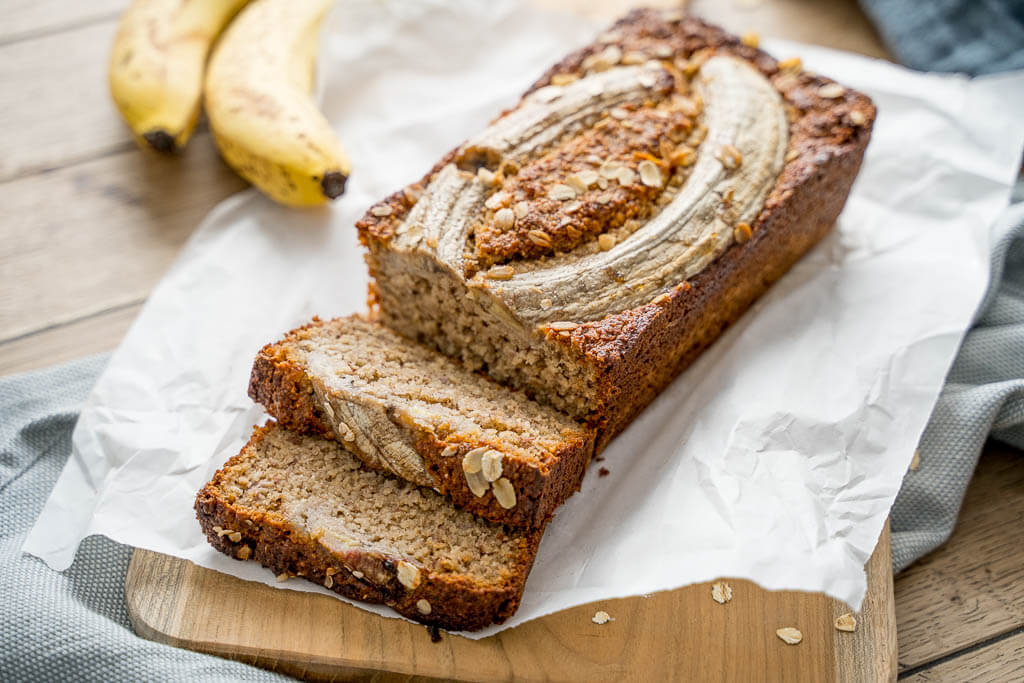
(675, 635)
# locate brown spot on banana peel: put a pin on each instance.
(161, 141)
(333, 184)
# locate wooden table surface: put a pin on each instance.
(90, 223)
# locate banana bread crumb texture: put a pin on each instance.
(403, 408)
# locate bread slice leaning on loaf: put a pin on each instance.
(593, 240)
(303, 506)
(403, 408)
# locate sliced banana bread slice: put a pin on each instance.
(303, 506)
(406, 409)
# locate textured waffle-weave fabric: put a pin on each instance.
(983, 396)
(969, 36)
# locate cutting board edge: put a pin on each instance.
(164, 616)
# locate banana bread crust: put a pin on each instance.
(636, 353)
(284, 388)
(456, 602)
(642, 350)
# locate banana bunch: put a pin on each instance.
(256, 85)
(156, 66)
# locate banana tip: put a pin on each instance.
(160, 140)
(333, 184)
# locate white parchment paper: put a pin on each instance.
(776, 457)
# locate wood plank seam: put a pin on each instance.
(54, 29)
(110, 151)
(72, 321)
(76, 160)
(970, 590)
(961, 652)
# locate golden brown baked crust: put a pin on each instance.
(545, 226)
(632, 355)
(643, 350)
(285, 389)
(457, 602)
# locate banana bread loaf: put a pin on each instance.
(583, 250)
(592, 241)
(303, 506)
(406, 409)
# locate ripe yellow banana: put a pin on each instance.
(258, 102)
(156, 67)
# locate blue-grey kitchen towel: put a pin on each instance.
(983, 396)
(968, 36)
